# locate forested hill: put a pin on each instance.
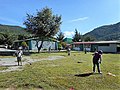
(107, 32)
(11, 29)
(9, 33)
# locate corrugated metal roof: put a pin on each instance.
(52, 39)
(108, 42)
(84, 42)
(98, 42)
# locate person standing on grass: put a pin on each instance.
(18, 54)
(49, 49)
(68, 50)
(97, 58)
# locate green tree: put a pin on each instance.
(43, 25)
(59, 46)
(77, 36)
(89, 38)
(24, 45)
(8, 34)
(64, 44)
(60, 36)
(7, 38)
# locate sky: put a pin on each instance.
(83, 15)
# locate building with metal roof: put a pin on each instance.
(105, 46)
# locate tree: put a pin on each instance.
(64, 44)
(7, 38)
(60, 36)
(24, 45)
(8, 34)
(89, 38)
(77, 36)
(22, 36)
(59, 46)
(43, 25)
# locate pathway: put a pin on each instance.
(11, 63)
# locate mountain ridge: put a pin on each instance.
(106, 32)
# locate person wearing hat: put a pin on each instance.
(18, 54)
(97, 58)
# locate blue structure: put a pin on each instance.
(32, 44)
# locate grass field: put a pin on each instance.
(62, 74)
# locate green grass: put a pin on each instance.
(64, 73)
(3, 67)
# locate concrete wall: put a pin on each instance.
(46, 45)
(110, 48)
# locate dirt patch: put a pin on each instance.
(11, 63)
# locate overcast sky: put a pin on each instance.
(83, 15)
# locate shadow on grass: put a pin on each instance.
(79, 62)
(84, 75)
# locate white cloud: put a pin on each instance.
(69, 34)
(79, 19)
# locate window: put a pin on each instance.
(104, 44)
(77, 45)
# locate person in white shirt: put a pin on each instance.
(18, 54)
(68, 50)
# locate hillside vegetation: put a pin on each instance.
(107, 32)
(10, 33)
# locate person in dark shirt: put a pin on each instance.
(97, 58)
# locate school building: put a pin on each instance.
(32, 44)
(105, 46)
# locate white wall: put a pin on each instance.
(46, 45)
(110, 48)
